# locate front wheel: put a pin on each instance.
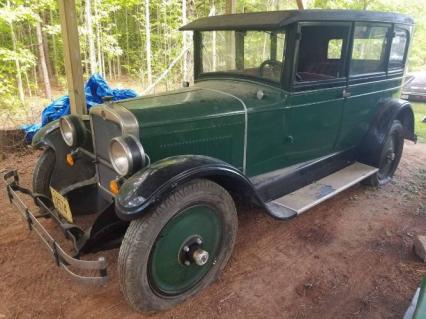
(179, 248)
(390, 156)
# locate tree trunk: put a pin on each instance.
(90, 38)
(55, 53)
(300, 4)
(185, 43)
(98, 41)
(28, 84)
(33, 48)
(46, 52)
(18, 69)
(17, 64)
(214, 53)
(231, 6)
(127, 39)
(148, 43)
(42, 61)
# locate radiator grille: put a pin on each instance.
(103, 132)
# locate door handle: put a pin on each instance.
(346, 94)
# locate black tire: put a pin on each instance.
(390, 156)
(143, 235)
(42, 173)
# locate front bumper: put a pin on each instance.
(61, 258)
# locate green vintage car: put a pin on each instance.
(287, 109)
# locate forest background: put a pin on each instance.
(131, 43)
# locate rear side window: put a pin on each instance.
(369, 49)
(321, 53)
(398, 48)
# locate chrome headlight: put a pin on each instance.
(126, 154)
(73, 130)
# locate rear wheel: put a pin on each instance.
(179, 248)
(390, 156)
(43, 172)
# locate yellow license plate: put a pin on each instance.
(61, 204)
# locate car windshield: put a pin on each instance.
(250, 53)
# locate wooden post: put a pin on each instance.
(300, 4)
(73, 68)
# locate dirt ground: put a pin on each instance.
(350, 257)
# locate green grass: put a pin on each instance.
(419, 114)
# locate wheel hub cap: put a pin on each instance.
(391, 156)
(192, 252)
(200, 257)
(185, 250)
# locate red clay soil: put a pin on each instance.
(350, 257)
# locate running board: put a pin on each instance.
(311, 195)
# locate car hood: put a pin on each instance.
(182, 105)
(206, 99)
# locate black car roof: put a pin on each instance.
(277, 19)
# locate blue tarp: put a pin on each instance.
(95, 89)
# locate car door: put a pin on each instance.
(315, 104)
(368, 81)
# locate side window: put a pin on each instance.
(369, 49)
(321, 52)
(398, 48)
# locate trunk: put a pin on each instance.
(230, 9)
(98, 40)
(28, 84)
(300, 4)
(42, 61)
(118, 66)
(55, 52)
(90, 38)
(214, 54)
(35, 75)
(35, 78)
(117, 71)
(17, 64)
(231, 6)
(185, 43)
(18, 68)
(46, 53)
(148, 43)
(127, 40)
(110, 74)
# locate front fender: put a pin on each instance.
(154, 182)
(43, 136)
(63, 175)
(389, 110)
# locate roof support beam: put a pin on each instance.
(73, 68)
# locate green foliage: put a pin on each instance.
(118, 28)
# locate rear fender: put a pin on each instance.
(389, 110)
(156, 181)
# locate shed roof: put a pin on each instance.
(277, 19)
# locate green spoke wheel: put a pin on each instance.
(178, 248)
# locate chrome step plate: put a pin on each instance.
(311, 195)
